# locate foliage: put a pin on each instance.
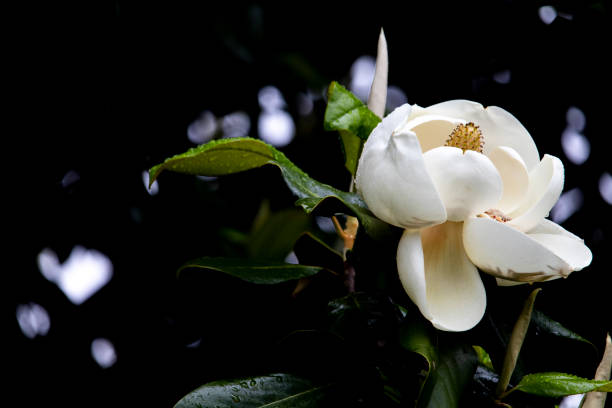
(377, 348)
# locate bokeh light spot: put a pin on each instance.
(33, 320)
(103, 352)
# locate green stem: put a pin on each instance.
(514, 345)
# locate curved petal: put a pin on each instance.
(499, 127)
(431, 130)
(546, 226)
(440, 279)
(411, 268)
(507, 253)
(545, 186)
(393, 180)
(572, 251)
(506, 282)
(514, 175)
(468, 182)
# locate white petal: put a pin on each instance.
(545, 186)
(546, 226)
(572, 251)
(411, 268)
(499, 127)
(515, 177)
(506, 282)
(431, 130)
(378, 91)
(440, 279)
(468, 182)
(507, 253)
(393, 180)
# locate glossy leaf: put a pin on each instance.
(254, 271)
(547, 325)
(483, 357)
(270, 391)
(416, 337)
(351, 148)
(352, 119)
(447, 381)
(346, 112)
(560, 384)
(228, 156)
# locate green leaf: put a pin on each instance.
(346, 112)
(217, 158)
(254, 271)
(311, 250)
(351, 148)
(228, 156)
(276, 237)
(483, 357)
(416, 337)
(360, 317)
(547, 325)
(270, 391)
(445, 384)
(354, 121)
(560, 384)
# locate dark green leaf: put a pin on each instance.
(271, 391)
(415, 336)
(560, 384)
(361, 317)
(254, 271)
(547, 325)
(351, 147)
(346, 112)
(445, 384)
(311, 250)
(227, 156)
(276, 237)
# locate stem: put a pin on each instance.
(596, 399)
(514, 345)
(505, 394)
(348, 235)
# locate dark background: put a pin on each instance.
(108, 89)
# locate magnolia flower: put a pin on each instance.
(468, 186)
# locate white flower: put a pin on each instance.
(468, 186)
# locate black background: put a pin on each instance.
(108, 89)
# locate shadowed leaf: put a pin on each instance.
(254, 271)
(270, 391)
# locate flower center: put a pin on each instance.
(495, 215)
(466, 137)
